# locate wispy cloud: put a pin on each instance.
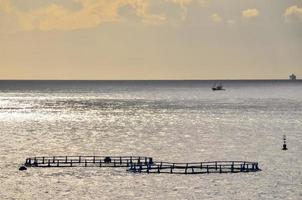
(6, 6)
(92, 13)
(293, 13)
(204, 3)
(216, 18)
(231, 21)
(183, 5)
(250, 13)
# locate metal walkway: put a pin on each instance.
(141, 164)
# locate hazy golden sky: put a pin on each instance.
(150, 39)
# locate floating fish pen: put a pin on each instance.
(87, 161)
(139, 164)
(196, 168)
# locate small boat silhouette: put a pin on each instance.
(293, 77)
(218, 86)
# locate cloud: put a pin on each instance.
(216, 18)
(204, 3)
(231, 21)
(293, 13)
(92, 13)
(183, 5)
(181, 2)
(6, 7)
(250, 13)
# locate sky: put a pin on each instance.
(150, 39)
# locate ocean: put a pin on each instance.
(177, 121)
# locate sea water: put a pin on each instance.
(176, 121)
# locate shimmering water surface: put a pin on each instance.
(178, 121)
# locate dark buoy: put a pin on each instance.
(107, 160)
(22, 168)
(284, 143)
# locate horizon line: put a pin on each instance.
(149, 80)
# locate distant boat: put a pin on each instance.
(292, 77)
(217, 86)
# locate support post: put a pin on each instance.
(284, 143)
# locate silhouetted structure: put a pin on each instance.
(196, 168)
(107, 160)
(217, 86)
(22, 168)
(284, 143)
(138, 164)
(292, 77)
(86, 161)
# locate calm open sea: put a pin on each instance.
(178, 121)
